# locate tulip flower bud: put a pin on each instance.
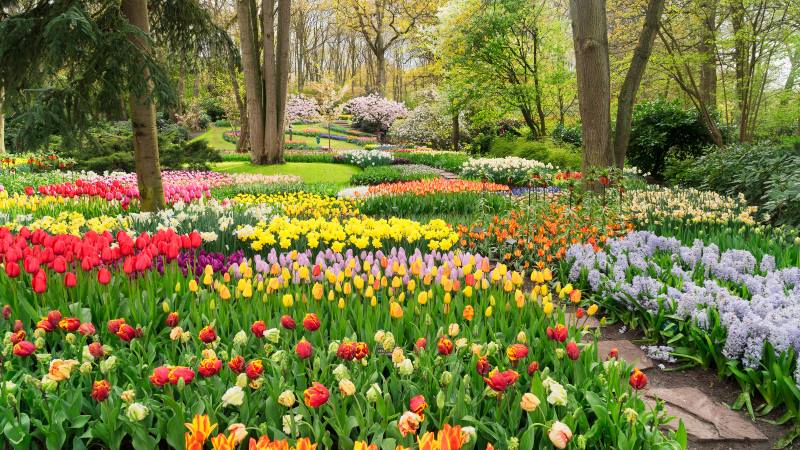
(560, 353)
(453, 329)
(333, 347)
(137, 412)
(286, 399)
(580, 441)
(446, 378)
(631, 415)
(39, 343)
(346, 387)
(379, 335)
(164, 304)
(373, 393)
(278, 357)
(176, 333)
(39, 333)
(471, 433)
(240, 338)
(49, 384)
(406, 368)
(491, 348)
(70, 338)
(440, 399)
(521, 337)
(241, 380)
(273, 335)
(86, 368)
(108, 364)
(128, 396)
(388, 342)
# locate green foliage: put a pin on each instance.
(662, 129)
(386, 174)
(572, 134)
(308, 156)
(565, 157)
(413, 205)
(230, 191)
(767, 174)
(449, 161)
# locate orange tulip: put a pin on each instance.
(200, 427)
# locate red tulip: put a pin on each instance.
(69, 324)
(178, 373)
(236, 364)
(103, 276)
(39, 282)
(421, 344)
(482, 366)
(638, 379)
(559, 334)
(114, 324)
(533, 367)
(54, 317)
(209, 367)
(100, 390)
(96, 350)
(207, 334)
(86, 329)
(346, 351)
(515, 352)
(304, 349)
(126, 332)
(500, 381)
(444, 346)
(24, 348)
(7, 312)
(70, 280)
(361, 350)
(417, 405)
(311, 322)
(316, 395)
(254, 369)
(287, 322)
(172, 319)
(45, 325)
(17, 336)
(12, 269)
(258, 328)
(573, 352)
(613, 353)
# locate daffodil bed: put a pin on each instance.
(259, 313)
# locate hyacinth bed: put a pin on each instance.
(258, 312)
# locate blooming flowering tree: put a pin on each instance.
(374, 112)
(300, 108)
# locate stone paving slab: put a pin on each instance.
(586, 321)
(628, 351)
(705, 419)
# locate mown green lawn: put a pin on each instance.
(309, 172)
(214, 138)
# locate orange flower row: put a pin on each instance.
(434, 186)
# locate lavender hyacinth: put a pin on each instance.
(756, 303)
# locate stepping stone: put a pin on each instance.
(705, 419)
(627, 350)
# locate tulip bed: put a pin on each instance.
(257, 312)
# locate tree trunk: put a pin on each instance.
(276, 75)
(2, 122)
(244, 135)
(527, 116)
(633, 79)
(539, 109)
(456, 131)
(590, 39)
(740, 68)
(253, 84)
(707, 49)
(380, 73)
(143, 118)
(181, 86)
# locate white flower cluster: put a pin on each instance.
(510, 170)
(367, 158)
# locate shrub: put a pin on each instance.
(374, 113)
(572, 134)
(213, 109)
(300, 108)
(222, 123)
(386, 174)
(767, 174)
(662, 129)
(566, 157)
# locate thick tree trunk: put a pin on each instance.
(2, 122)
(380, 73)
(244, 136)
(741, 68)
(590, 39)
(251, 66)
(708, 67)
(633, 79)
(143, 119)
(276, 75)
